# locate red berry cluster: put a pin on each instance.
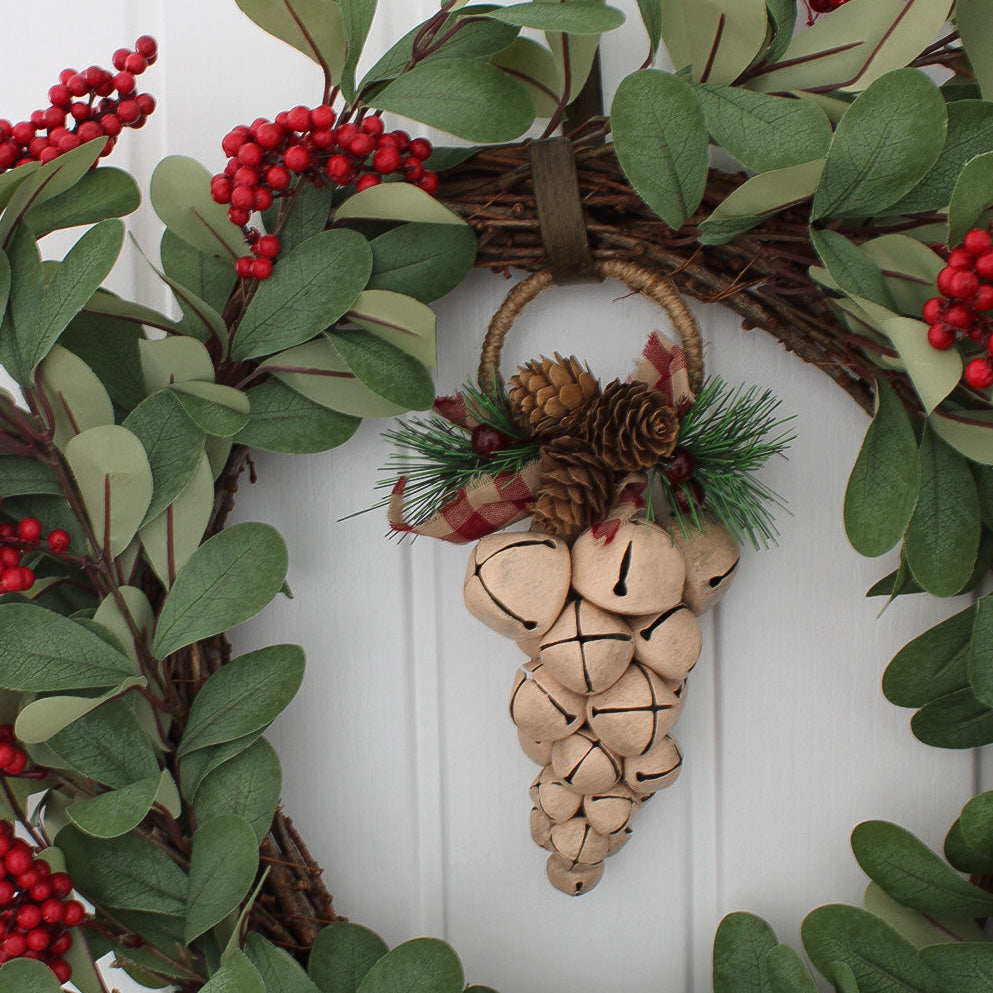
(966, 287)
(15, 540)
(678, 471)
(35, 910)
(313, 144)
(13, 760)
(83, 106)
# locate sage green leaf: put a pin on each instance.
(962, 966)
(396, 202)
(25, 476)
(197, 766)
(102, 193)
(103, 303)
(883, 146)
(942, 540)
(981, 650)
(313, 286)
(173, 443)
(536, 69)
(206, 276)
(223, 865)
(218, 450)
(970, 132)
(167, 361)
(47, 716)
(651, 17)
(880, 958)
(19, 331)
(126, 872)
(200, 319)
(283, 420)
(976, 823)
(228, 579)
(180, 193)
(424, 965)
(75, 395)
(786, 972)
(42, 652)
(576, 51)
(221, 411)
(341, 956)
(281, 972)
(741, 944)
(843, 978)
(424, 261)
(571, 16)
(27, 976)
(956, 720)
(660, 137)
(314, 27)
(236, 975)
(4, 281)
(851, 268)
(398, 319)
(111, 814)
(308, 215)
(972, 20)
(884, 483)
(12, 179)
(933, 664)
(109, 346)
(248, 785)
(115, 482)
(764, 132)
(913, 875)
(972, 196)
(244, 696)
(174, 535)
(969, 432)
(919, 929)
(782, 22)
(388, 371)
(934, 374)
(357, 19)
(464, 97)
(984, 486)
(910, 268)
(857, 45)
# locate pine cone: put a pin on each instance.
(543, 392)
(575, 490)
(629, 426)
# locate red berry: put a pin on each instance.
(299, 119)
(386, 159)
(250, 154)
(221, 188)
(263, 199)
(61, 884)
(975, 241)
(18, 860)
(339, 169)
(945, 278)
(322, 118)
(344, 135)
(41, 891)
(322, 139)
(960, 316)
(684, 500)
(420, 148)
(373, 125)
(961, 259)
(239, 216)
(136, 63)
(243, 198)
(269, 136)
(268, 246)
(72, 913)
(233, 141)
(124, 83)
(941, 336)
(984, 264)
(7, 531)
(29, 530)
(16, 765)
(278, 177)
(128, 111)
(10, 558)
(362, 144)
(680, 466)
(119, 58)
(90, 131)
(243, 267)
(486, 440)
(146, 103)
(429, 182)
(979, 374)
(7, 892)
(261, 268)
(146, 45)
(932, 309)
(7, 753)
(297, 158)
(412, 168)
(38, 939)
(15, 945)
(964, 284)
(63, 942)
(246, 176)
(366, 181)
(60, 95)
(983, 300)
(61, 969)
(402, 139)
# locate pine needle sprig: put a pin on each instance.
(438, 459)
(731, 434)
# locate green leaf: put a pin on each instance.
(14, 178)
(357, 18)
(229, 578)
(571, 16)
(126, 872)
(180, 193)
(660, 137)
(968, 432)
(314, 27)
(972, 196)
(855, 46)
(221, 411)
(167, 361)
(913, 875)
(464, 97)
(782, 22)
(42, 652)
(981, 651)
(740, 948)
(197, 766)
(4, 282)
(313, 286)
(281, 972)
(223, 865)
(174, 445)
(883, 486)
(106, 304)
(884, 145)
(956, 720)
(575, 51)
(283, 420)
(787, 973)
(651, 17)
(100, 194)
(236, 975)
(934, 374)
(424, 965)
(115, 482)
(910, 269)
(536, 69)
(976, 823)
(424, 261)
(248, 785)
(206, 276)
(851, 268)
(108, 746)
(396, 202)
(401, 320)
(933, 664)
(19, 331)
(972, 20)
(47, 716)
(75, 395)
(308, 214)
(942, 539)
(244, 696)
(117, 812)
(388, 371)
(342, 955)
(917, 928)
(718, 39)
(881, 960)
(764, 132)
(27, 976)
(24, 476)
(963, 966)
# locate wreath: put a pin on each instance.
(135, 773)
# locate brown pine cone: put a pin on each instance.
(575, 490)
(629, 426)
(544, 391)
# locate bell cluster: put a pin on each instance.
(611, 631)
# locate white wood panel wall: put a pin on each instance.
(401, 764)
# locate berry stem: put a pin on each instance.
(37, 834)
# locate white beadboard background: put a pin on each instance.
(401, 765)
